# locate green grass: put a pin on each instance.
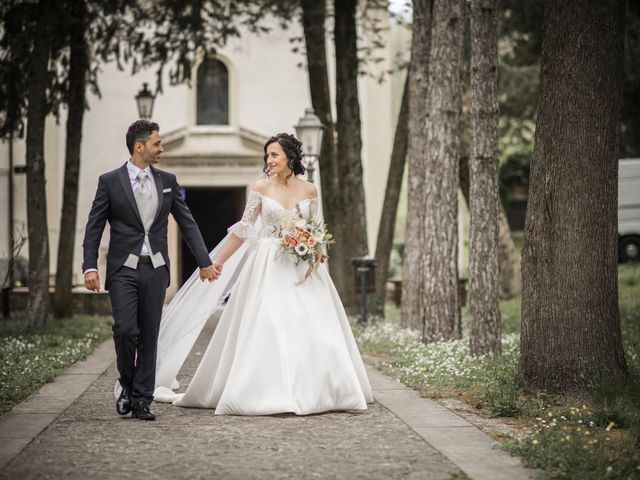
(591, 436)
(29, 359)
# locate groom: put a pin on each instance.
(136, 200)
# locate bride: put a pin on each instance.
(281, 345)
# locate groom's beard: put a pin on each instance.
(153, 159)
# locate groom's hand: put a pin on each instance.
(208, 273)
(92, 281)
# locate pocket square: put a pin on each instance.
(166, 190)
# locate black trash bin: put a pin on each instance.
(365, 281)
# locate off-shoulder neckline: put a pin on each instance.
(298, 202)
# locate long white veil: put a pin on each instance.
(186, 315)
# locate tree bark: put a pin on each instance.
(440, 258)
(352, 213)
(78, 68)
(313, 22)
(384, 244)
(508, 261)
(571, 335)
(413, 314)
(484, 278)
(38, 232)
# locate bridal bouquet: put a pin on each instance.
(305, 239)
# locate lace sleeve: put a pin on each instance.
(249, 217)
(313, 209)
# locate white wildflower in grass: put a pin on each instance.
(445, 363)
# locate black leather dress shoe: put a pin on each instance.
(141, 412)
(123, 404)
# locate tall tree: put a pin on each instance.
(484, 287)
(78, 73)
(570, 321)
(353, 220)
(38, 231)
(94, 33)
(68, 72)
(16, 42)
(413, 314)
(440, 257)
(384, 244)
(313, 23)
(508, 261)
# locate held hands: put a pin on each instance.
(211, 272)
(92, 281)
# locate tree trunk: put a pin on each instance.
(352, 215)
(313, 22)
(78, 68)
(38, 232)
(440, 257)
(417, 84)
(484, 279)
(384, 244)
(508, 261)
(571, 335)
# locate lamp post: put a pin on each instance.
(144, 100)
(309, 131)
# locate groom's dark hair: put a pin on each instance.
(139, 131)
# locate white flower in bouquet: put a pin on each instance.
(301, 249)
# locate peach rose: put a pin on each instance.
(289, 242)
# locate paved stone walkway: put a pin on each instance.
(89, 441)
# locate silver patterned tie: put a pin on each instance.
(144, 201)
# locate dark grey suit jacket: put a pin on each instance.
(114, 203)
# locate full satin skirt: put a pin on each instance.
(280, 347)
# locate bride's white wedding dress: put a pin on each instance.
(278, 347)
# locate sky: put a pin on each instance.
(401, 8)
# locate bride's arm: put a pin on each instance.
(240, 230)
(229, 248)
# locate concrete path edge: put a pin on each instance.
(478, 455)
(25, 421)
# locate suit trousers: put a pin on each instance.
(137, 297)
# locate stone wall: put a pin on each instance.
(83, 303)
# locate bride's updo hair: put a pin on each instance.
(292, 148)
